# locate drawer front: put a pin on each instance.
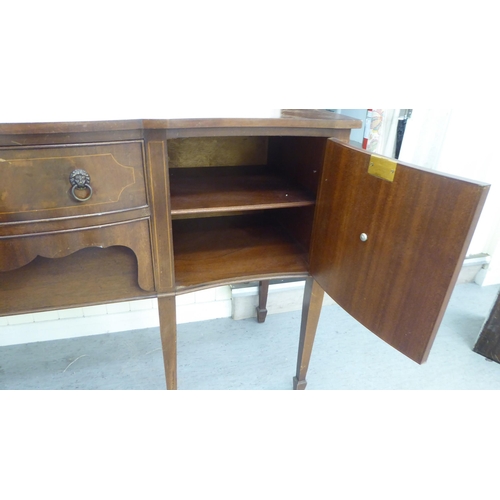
(35, 182)
(18, 252)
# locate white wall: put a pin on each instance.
(359, 114)
(94, 61)
(449, 141)
(107, 318)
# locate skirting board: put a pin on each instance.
(221, 302)
(283, 297)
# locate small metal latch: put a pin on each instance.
(383, 168)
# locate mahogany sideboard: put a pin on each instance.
(100, 212)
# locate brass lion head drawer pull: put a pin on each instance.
(80, 179)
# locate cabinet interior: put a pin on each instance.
(242, 206)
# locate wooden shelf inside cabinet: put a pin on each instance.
(233, 248)
(212, 190)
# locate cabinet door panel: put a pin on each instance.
(398, 281)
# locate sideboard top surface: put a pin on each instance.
(319, 121)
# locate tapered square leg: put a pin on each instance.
(311, 310)
(168, 333)
(262, 307)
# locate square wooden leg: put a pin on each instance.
(311, 310)
(168, 333)
(262, 307)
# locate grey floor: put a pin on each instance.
(227, 354)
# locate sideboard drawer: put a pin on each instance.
(35, 180)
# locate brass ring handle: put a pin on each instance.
(80, 179)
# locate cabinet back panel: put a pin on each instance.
(297, 222)
(217, 151)
(299, 158)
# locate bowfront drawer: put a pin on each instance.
(64, 182)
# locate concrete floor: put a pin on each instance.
(227, 354)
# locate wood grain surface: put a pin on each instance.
(35, 181)
(231, 249)
(212, 190)
(398, 282)
(89, 276)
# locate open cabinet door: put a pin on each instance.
(389, 241)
